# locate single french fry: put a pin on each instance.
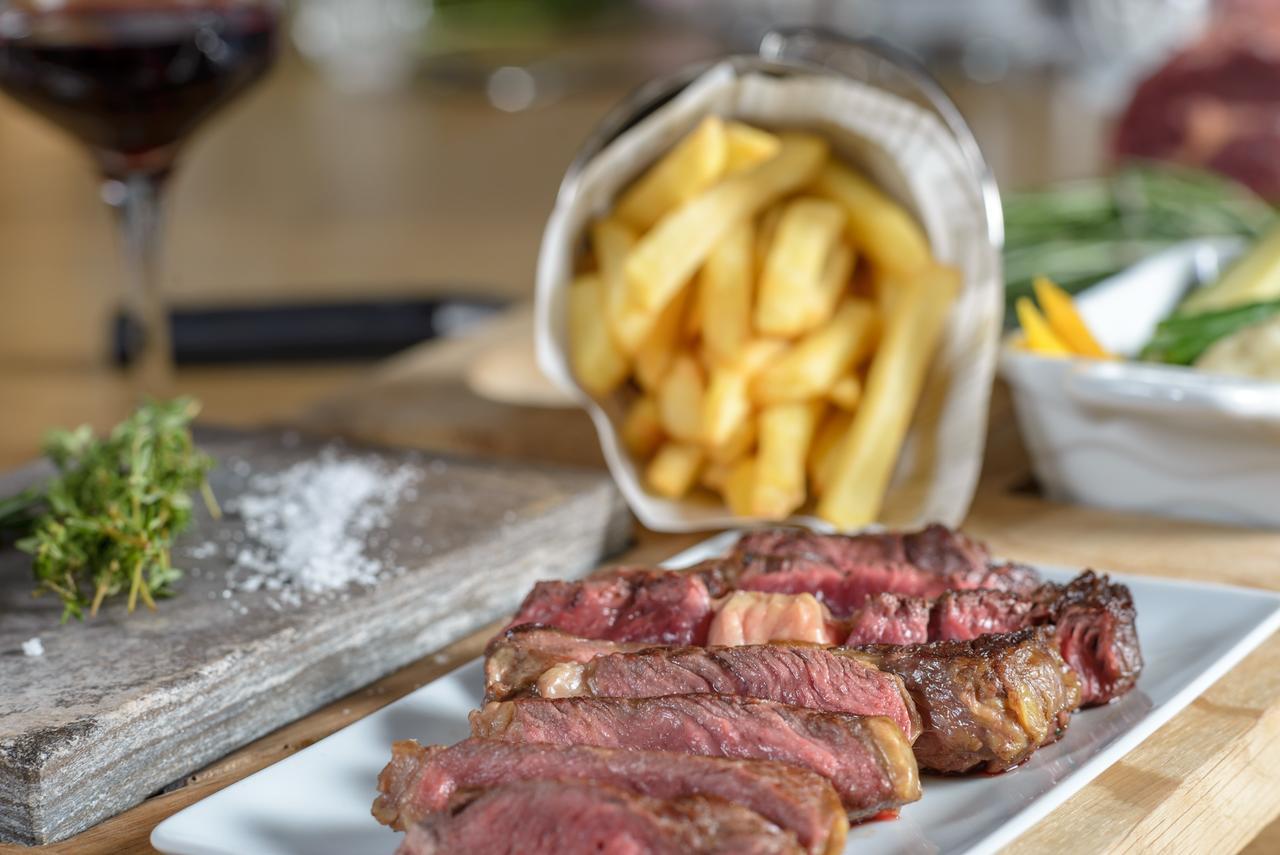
(832, 285)
(833, 428)
(725, 289)
(611, 240)
(674, 469)
(597, 362)
(695, 163)
(673, 250)
(680, 399)
(1039, 335)
(641, 431)
(813, 365)
(866, 456)
(766, 228)
(1065, 321)
(728, 401)
(654, 356)
(846, 392)
(879, 227)
(739, 488)
(747, 146)
(792, 284)
(738, 445)
(715, 474)
(786, 431)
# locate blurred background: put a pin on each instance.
(408, 151)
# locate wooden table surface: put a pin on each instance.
(303, 193)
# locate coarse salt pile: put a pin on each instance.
(33, 647)
(308, 526)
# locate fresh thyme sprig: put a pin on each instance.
(106, 522)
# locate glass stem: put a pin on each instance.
(144, 336)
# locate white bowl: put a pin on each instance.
(1156, 439)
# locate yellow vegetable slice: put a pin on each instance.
(1040, 336)
(1065, 321)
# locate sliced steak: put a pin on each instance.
(752, 617)
(586, 818)
(419, 782)
(889, 619)
(1095, 621)
(626, 604)
(844, 570)
(516, 658)
(802, 675)
(1098, 636)
(988, 703)
(866, 758)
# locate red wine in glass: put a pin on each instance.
(132, 79)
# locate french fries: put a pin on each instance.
(773, 315)
(865, 458)
(785, 433)
(726, 289)
(793, 287)
(813, 365)
(747, 146)
(673, 250)
(596, 359)
(680, 400)
(674, 469)
(686, 170)
(878, 226)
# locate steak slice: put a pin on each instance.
(988, 703)
(1095, 621)
(628, 604)
(419, 782)
(844, 570)
(866, 758)
(889, 619)
(802, 675)
(587, 818)
(516, 658)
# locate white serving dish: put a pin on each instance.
(317, 801)
(1155, 439)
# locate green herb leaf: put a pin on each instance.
(104, 526)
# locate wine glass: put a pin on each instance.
(132, 79)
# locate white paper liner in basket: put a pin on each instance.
(914, 158)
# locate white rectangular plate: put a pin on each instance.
(317, 801)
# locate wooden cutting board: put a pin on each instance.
(122, 705)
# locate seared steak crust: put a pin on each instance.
(844, 570)
(516, 658)
(867, 759)
(803, 675)
(1094, 619)
(626, 604)
(985, 704)
(419, 782)
(586, 818)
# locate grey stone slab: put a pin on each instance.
(120, 706)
